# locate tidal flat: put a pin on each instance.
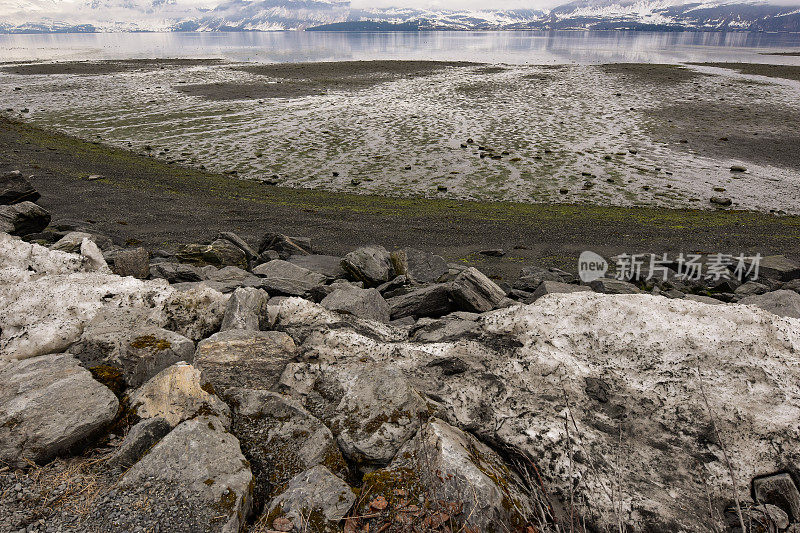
(606, 135)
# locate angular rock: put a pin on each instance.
(132, 262)
(196, 313)
(781, 303)
(531, 277)
(327, 265)
(229, 278)
(246, 310)
(176, 394)
(363, 303)
(141, 437)
(282, 277)
(779, 268)
(280, 439)
(613, 286)
(553, 287)
(315, 496)
(122, 358)
(445, 329)
(48, 406)
(779, 490)
(72, 241)
(444, 466)
(370, 264)
(419, 266)
(473, 291)
(15, 188)
(703, 299)
(435, 301)
(246, 359)
(197, 465)
(371, 409)
(240, 243)
(23, 218)
(284, 245)
(220, 252)
(175, 272)
(750, 288)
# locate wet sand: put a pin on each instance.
(93, 68)
(146, 200)
(787, 72)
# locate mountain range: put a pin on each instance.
(51, 16)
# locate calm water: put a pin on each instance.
(506, 47)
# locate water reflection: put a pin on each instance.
(511, 47)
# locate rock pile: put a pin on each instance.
(272, 388)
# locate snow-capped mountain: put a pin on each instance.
(338, 15)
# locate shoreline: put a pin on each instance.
(142, 200)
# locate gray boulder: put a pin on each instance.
(370, 264)
(327, 265)
(123, 358)
(473, 291)
(781, 303)
(778, 267)
(445, 329)
(750, 288)
(246, 310)
(531, 277)
(703, 299)
(551, 287)
(176, 394)
(72, 241)
(282, 277)
(280, 439)
(363, 303)
(779, 490)
(315, 496)
(175, 272)
(219, 253)
(141, 437)
(435, 300)
(284, 245)
(23, 218)
(419, 266)
(48, 406)
(229, 278)
(133, 262)
(15, 188)
(195, 313)
(613, 286)
(443, 465)
(198, 465)
(240, 243)
(247, 359)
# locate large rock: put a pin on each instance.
(556, 287)
(363, 303)
(15, 188)
(473, 291)
(284, 245)
(229, 278)
(781, 303)
(434, 301)
(240, 243)
(779, 268)
(370, 264)
(196, 313)
(282, 277)
(443, 469)
(175, 272)
(125, 358)
(315, 496)
(220, 252)
(141, 437)
(280, 439)
(132, 262)
(248, 359)
(23, 218)
(72, 241)
(779, 490)
(198, 469)
(613, 286)
(246, 310)
(327, 265)
(419, 266)
(49, 405)
(176, 394)
(531, 277)
(445, 329)
(48, 297)
(371, 409)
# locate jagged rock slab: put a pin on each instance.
(248, 359)
(613, 286)
(282, 277)
(196, 313)
(418, 265)
(315, 496)
(175, 272)
(557, 287)
(48, 405)
(246, 310)
(280, 439)
(176, 394)
(473, 291)
(778, 267)
(435, 301)
(370, 264)
(15, 188)
(198, 468)
(133, 262)
(362, 303)
(327, 265)
(141, 437)
(23, 218)
(284, 245)
(781, 303)
(219, 253)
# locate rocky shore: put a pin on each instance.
(230, 385)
